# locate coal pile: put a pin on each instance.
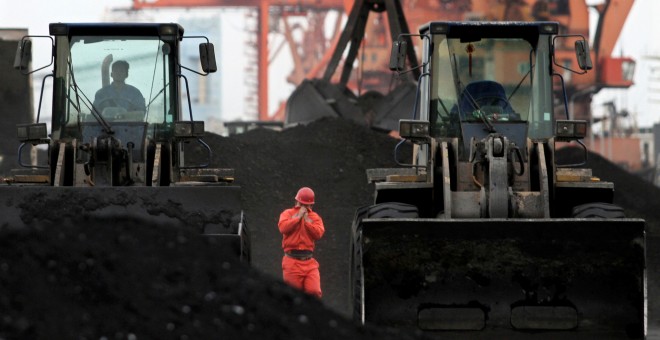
(126, 279)
(330, 156)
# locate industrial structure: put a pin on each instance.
(312, 31)
(312, 52)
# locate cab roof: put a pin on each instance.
(116, 29)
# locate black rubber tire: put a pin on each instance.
(390, 210)
(598, 210)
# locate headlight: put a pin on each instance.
(571, 129)
(32, 133)
(189, 129)
(414, 130)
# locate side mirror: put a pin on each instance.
(207, 57)
(23, 54)
(398, 55)
(582, 55)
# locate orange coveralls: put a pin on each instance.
(300, 235)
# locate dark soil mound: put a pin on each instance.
(133, 280)
(330, 156)
(126, 279)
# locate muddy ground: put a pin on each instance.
(124, 279)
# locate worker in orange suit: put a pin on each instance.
(301, 228)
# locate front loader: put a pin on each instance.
(113, 159)
(484, 234)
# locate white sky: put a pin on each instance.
(638, 40)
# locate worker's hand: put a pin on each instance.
(302, 212)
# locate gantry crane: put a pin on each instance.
(313, 53)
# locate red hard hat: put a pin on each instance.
(305, 196)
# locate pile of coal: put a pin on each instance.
(120, 278)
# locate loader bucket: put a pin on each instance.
(395, 106)
(214, 211)
(502, 278)
(316, 98)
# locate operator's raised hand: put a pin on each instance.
(105, 70)
(107, 60)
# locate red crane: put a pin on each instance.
(286, 8)
(312, 54)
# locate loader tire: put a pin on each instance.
(388, 210)
(598, 210)
(381, 210)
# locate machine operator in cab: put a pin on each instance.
(119, 96)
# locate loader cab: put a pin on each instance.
(489, 75)
(117, 108)
(88, 80)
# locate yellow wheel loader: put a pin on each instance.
(120, 148)
(484, 234)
